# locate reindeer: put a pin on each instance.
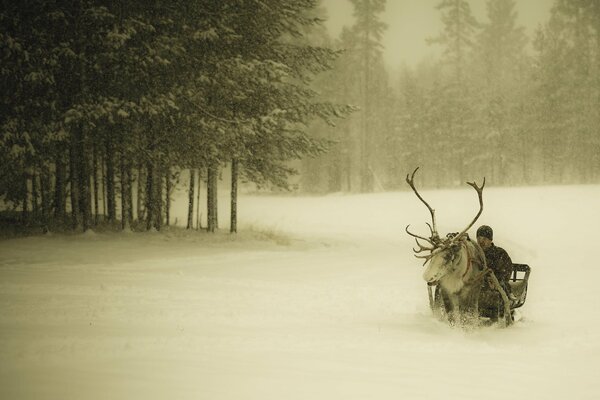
(456, 265)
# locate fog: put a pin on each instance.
(505, 88)
(410, 23)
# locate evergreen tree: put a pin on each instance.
(367, 32)
(581, 25)
(503, 69)
(456, 121)
(562, 102)
(155, 87)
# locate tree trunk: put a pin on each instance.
(95, 183)
(25, 203)
(348, 158)
(110, 181)
(45, 192)
(84, 181)
(596, 123)
(211, 195)
(366, 179)
(129, 193)
(168, 197)
(124, 197)
(34, 194)
(198, 215)
(59, 189)
(234, 190)
(140, 192)
(149, 196)
(158, 202)
(103, 182)
(190, 219)
(74, 183)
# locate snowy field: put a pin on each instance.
(323, 299)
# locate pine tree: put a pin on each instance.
(368, 31)
(159, 87)
(581, 25)
(456, 121)
(501, 56)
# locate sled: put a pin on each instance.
(518, 284)
(490, 304)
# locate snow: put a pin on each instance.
(316, 298)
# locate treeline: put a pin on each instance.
(104, 103)
(497, 103)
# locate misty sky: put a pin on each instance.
(410, 22)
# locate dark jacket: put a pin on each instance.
(500, 263)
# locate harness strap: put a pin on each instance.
(485, 271)
(469, 261)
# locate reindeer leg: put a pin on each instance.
(471, 310)
(454, 317)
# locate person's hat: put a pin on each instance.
(486, 232)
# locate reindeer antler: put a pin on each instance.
(480, 196)
(438, 245)
(435, 237)
(421, 247)
(429, 240)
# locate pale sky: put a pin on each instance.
(410, 22)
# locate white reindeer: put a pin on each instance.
(456, 265)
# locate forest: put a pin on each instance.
(518, 110)
(105, 105)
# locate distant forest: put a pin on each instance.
(518, 110)
(104, 104)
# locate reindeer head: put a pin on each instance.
(444, 254)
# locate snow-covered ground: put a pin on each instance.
(330, 306)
